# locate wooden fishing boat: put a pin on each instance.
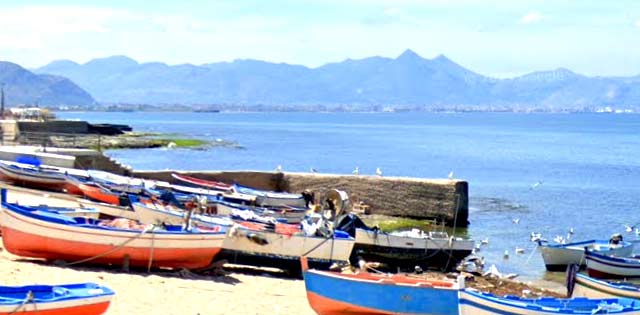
(51, 236)
(219, 186)
(473, 302)
(256, 243)
(289, 214)
(271, 198)
(98, 193)
(435, 249)
(32, 177)
(586, 286)
(108, 210)
(557, 256)
(63, 299)
(610, 267)
(332, 293)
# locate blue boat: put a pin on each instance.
(473, 302)
(332, 293)
(65, 299)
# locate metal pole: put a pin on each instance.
(2, 100)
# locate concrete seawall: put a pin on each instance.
(446, 200)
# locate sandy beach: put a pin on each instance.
(162, 292)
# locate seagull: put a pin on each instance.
(356, 171)
(477, 248)
(313, 170)
(450, 175)
(628, 228)
(558, 239)
(506, 254)
(536, 185)
(485, 241)
(536, 236)
(279, 169)
(571, 231)
(378, 171)
(519, 250)
(515, 220)
(637, 232)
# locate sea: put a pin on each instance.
(537, 172)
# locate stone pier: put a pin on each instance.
(446, 200)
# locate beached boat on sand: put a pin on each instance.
(219, 186)
(610, 267)
(32, 177)
(333, 293)
(271, 245)
(586, 286)
(51, 236)
(63, 299)
(473, 302)
(436, 250)
(558, 256)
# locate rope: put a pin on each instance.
(113, 249)
(29, 298)
(153, 238)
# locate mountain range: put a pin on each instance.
(408, 80)
(21, 86)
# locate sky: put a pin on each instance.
(498, 38)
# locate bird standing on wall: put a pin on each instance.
(356, 171)
(313, 170)
(279, 169)
(450, 175)
(378, 171)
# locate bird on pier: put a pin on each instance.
(519, 250)
(279, 169)
(356, 171)
(378, 171)
(515, 220)
(572, 231)
(450, 175)
(506, 254)
(485, 241)
(313, 170)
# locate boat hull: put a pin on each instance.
(603, 267)
(330, 294)
(557, 257)
(473, 303)
(32, 178)
(76, 299)
(407, 252)
(30, 237)
(598, 289)
(98, 194)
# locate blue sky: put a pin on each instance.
(500, 38)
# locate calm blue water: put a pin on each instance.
(588, 163)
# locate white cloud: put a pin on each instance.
(531, 17)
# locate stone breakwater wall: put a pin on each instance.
(446, 200)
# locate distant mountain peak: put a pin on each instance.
(116, 61)
(409, 55)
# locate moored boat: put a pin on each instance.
(333, 293)
(271, 198)
(63, 299)
(52, 236)
(558, 256)
(610, 267)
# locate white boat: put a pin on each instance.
(290, 215)
(586, 286)
(271, 198)
(609, 267)
(246, 244)
(108, 209)
(557, 256)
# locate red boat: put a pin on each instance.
(35, 233)
(202, 182)
(97, 193)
